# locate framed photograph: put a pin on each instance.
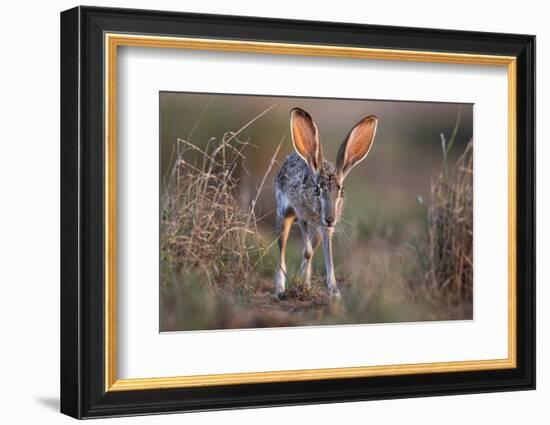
(261, 212)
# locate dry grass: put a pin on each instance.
(445, 254)
(203, 224)
(210, 243)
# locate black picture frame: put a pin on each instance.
(83, 392)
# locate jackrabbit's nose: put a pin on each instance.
(329, 222)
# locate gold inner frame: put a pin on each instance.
(113, 41)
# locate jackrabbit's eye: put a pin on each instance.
(342, 192)
(317, 191)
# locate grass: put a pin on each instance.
(210, 243)
(218, 256)
(443, 266)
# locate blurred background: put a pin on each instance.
(382, 190)
(387, 196)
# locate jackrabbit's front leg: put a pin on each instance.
(283, 229)
(311, 241)
(327, 251)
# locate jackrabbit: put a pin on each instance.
(310, 190)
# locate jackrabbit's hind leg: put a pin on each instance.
(284, 222)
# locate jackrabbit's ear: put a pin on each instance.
(356, 147)
(305, 138)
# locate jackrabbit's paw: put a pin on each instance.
(334, 294)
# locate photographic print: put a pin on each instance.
(258, 211)
(287, 211)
